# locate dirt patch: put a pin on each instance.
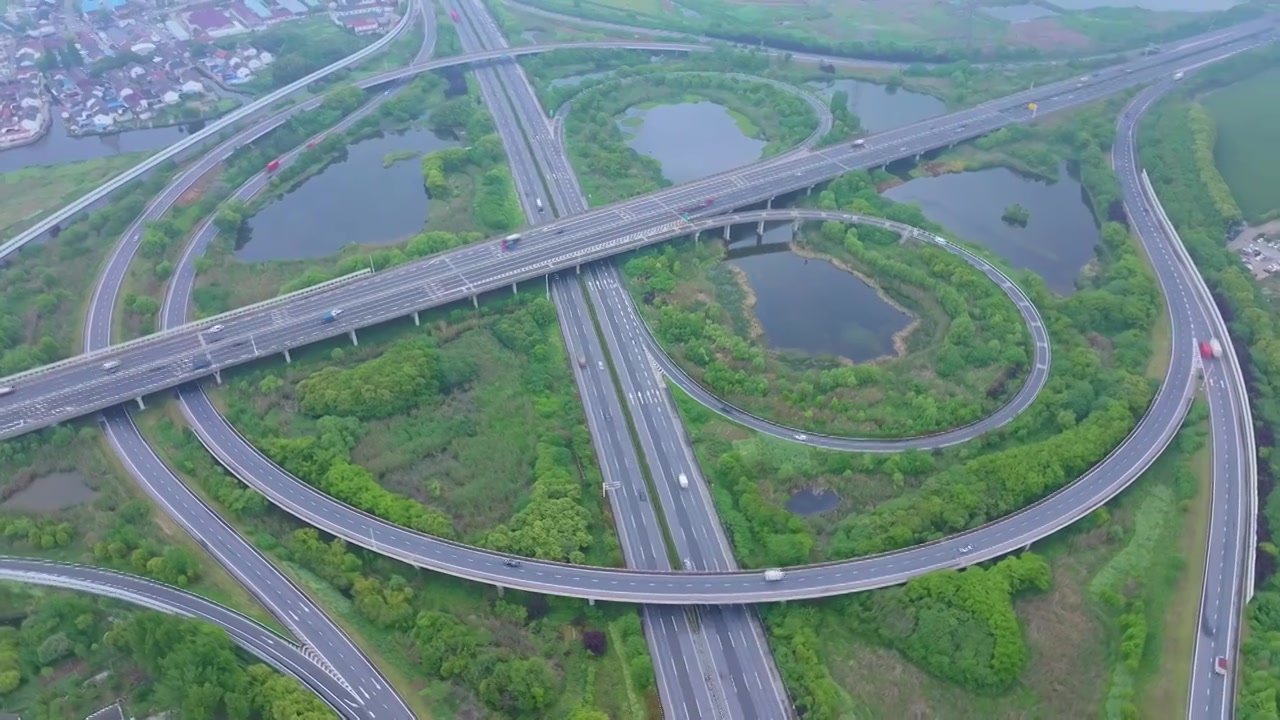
(1046, 33)
(1066, 643)
(200, 186)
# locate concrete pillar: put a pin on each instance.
(918, 157)
(769, 204)
(795, 227)
(726, 232)
(500, 590)
(591, 602)
(287, 357)
(475, 300)
(140, 405)
(417, 321)
(217, 375)
(760, 228)
(578, 268)
(514, 289)
(808, 191)
(354, 340)
(697, 236)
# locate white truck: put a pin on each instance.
(684, 481)
(774, 575)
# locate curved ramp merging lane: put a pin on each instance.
(312, 506)
(251, 635)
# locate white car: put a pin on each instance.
(215, 329)
(801, 436)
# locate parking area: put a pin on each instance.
(1259, 250)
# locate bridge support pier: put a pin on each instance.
(475, 300)
(795, 228)
(808, 191)
(515, 290)
(768, 205)
(217, 376)
(577, 268)
(726, 232)
(591, 602)
(417, 321)
(918, 157)
(697, 236)
(287, 357)
(354, 340)
(500, 590)
(140, 405)
(760, 228)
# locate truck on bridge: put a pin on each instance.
(510, 241)
(274, 165)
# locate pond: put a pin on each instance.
(357, 199)
(810, 305)
(1060, 235)
(879, 108)
(51, 493)
(813, 502)
(691, 140)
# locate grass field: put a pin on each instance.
(1247, 148)
(891, 22)
(28, 193)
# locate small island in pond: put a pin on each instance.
(1016, 215)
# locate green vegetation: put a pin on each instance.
(969, 646)
(610, 170)
(1016, 215)
(1189, 197)
(474, 431)
(1245, 146)
(906, 31)
(476, 173)
(62, 498)
(494, 445)
(963, 356)
(43, 289)
(67, 655)
(27, 194)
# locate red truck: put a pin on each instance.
(274, 165)
(1220, 665)
(454, 14)
(1210, 349)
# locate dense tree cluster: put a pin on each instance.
(492, 665)
(959, 624)
(184, 666)
(1167, 142)
(407, 374)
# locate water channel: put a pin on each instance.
(357, 199)
(878, 107)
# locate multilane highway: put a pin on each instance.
(738, 674)
(251, 635)
(1010, 533)
(327, 647)
(74, 387)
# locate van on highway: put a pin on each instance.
(683, 480)
(110, 365)
(774, 575)
(5, 391)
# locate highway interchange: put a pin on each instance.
(311, 307)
